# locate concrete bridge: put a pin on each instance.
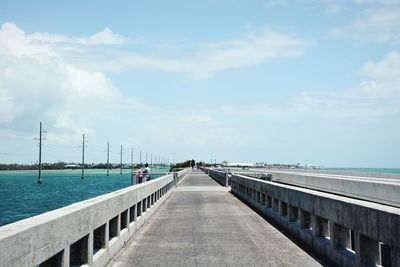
(202, 224)
(216, 218)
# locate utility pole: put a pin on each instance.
(151, 161)
(140, 157)
(146, 157)
(108, 158)
(83, 156)
(120, 168)
(132, 160)
(174, 158)
(40, 154)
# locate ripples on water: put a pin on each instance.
(22, 197)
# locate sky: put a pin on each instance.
(277, 81)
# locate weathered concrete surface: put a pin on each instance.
(327, 222)
(197, 178)
(376, 187)
(220, 176)
(208, 228)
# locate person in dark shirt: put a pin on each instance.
(146, 172)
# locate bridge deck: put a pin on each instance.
(201, 224)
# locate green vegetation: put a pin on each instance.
(181, 165)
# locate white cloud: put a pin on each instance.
(8, 109)
(380, 25)
(377, 2)
(334, 8)
(377, 97)
(196, 118)
(250, 50)
(275, 3)
(105, 37)
(330, 6)
(14, 42)
(387, 69)
(37, 84)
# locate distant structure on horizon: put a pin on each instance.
(239, 164)
(72, 166)
(267, 165)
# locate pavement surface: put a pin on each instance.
(202, 224)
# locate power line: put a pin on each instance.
(16, 153)
(16, 138)
(15, 129)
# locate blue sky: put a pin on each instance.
(302, 81)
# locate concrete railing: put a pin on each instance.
(346, 231)
(179, 178)
(86, 233)
(376, 189)
(222, 177)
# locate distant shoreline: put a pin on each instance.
(63, 170)
(71, 170)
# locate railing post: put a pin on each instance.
(226, 178)
(175, 178)
(65, 260)
(367, 249)
(90, 248)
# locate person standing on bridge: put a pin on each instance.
(139, 175)
(146, 172)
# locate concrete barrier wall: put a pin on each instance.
(341, 172)
(219, 176)
(346, 231)
(86, 233)
(378, 190)
(181, 175)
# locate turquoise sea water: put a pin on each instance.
(368, 170)
(22, 197)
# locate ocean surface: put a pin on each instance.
(367, 170)
(22, 197)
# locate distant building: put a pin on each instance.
(72, 166)
(240, 164)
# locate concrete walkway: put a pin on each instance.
(202, 224)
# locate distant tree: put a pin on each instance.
(182, 165)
